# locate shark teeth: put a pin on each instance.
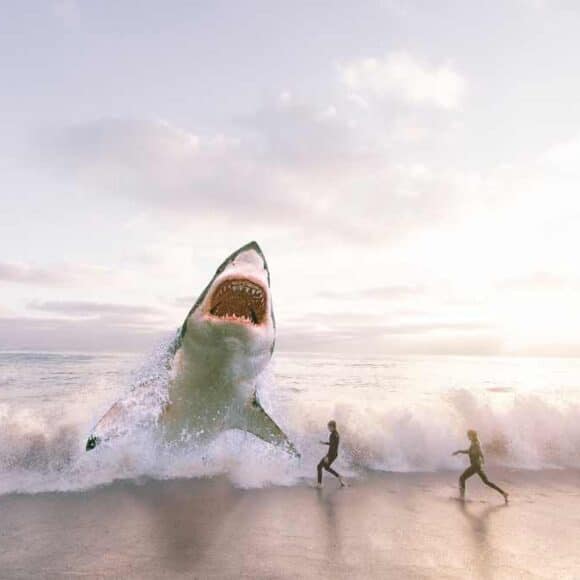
(239, 300)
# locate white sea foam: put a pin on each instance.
(388, 420)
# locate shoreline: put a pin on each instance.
(409, 525)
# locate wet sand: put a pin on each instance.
(382, 526)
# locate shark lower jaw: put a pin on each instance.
(239, 301)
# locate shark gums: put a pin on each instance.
(217, 359)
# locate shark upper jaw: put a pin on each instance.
(239, 293)
(238, 300)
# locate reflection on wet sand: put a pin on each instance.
(384, 525)
(479, 524)
(333, 527)
(172, 512)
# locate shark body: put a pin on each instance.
(218, 359)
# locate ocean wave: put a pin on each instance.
(529, 433)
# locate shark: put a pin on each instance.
(217, 361)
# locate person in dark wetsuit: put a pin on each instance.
(332, 454)
(476, 459)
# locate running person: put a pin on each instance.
(332, 454)
(477, 460)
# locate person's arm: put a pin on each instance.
(464, 451)
(324, 443)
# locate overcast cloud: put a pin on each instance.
(413, 185)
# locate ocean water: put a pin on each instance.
(404, 414)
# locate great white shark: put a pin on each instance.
(217, 360)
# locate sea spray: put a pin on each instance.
(389, 416)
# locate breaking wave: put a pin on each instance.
(39, 453)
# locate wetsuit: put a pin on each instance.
(332, 454)
(476, 467)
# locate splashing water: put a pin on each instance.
(394, 413)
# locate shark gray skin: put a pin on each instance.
(218, 359)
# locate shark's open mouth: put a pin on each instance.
(239, 300)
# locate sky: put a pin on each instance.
(409, 168)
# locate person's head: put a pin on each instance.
(332, 425)
(472, 434)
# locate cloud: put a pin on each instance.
(297, 165)
(368, 338)
(68, 12)
(292, 133)
(28, 333)
(88, 309)
(60, 274)
(357, 100)
(379, 293)
(401, 76)
(541, 281)
(564, 157)
(351, 322)
(57, 334)
(176, 171)
(25, 274)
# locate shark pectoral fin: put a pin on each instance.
(112, 424)
(256, 421)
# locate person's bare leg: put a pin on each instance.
(463, 477)
(319, 470)
(336, 474)
(483, 477)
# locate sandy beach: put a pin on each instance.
(242, 237)
(381, 526)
